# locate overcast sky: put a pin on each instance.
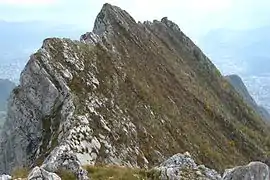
(194, 17)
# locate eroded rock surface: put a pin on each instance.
(40, 174)
(252, 171)
(182, 166)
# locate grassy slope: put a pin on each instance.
(194, 108)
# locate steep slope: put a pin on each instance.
(129, 94)
(240, 87)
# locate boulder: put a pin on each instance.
(5, 177)
(252, 171)
(40, 174)
(182, 166)
(60, 158)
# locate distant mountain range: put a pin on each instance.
(240, 87)
(243, 52)
(20, 39)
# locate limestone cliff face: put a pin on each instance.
(130, 94)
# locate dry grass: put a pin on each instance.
(66, 175)
(120, 173)
(20, 173)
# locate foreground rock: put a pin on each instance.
(40, 174)
(177, 167)
(253, 171)
(65, 160)
(5, 177)
(129, 94)
(182, 166)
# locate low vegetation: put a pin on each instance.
(120, 173)
(66, 175)
(103, 172)
(20, 173)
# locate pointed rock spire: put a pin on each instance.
(111, 18)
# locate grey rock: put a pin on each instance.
(182, 166)
(30, 105)
(40, 174)
(109, 18)
(61, 158)
(90, 38)
(5, 177)
(170, 24)
(252, 171)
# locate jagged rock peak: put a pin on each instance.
(170, 24)
(110, 17)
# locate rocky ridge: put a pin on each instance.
(126, 94)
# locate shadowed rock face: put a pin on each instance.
(182, 166)
(128, 94)
(6, 87)
(240, 87)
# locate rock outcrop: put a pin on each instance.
(40, 174)
(253, 171)
(177, 167)
(182, 166)
(240, 87)
(130, 94)
(5, 177)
